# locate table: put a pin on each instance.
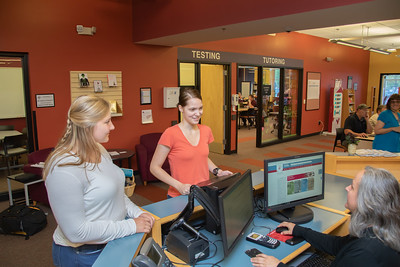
(8, 133)
(365, 142)
(121, 154)
(27, 179)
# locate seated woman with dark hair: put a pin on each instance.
(374, 200)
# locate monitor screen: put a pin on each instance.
(236, 211)
(292, 181)
(213, 188)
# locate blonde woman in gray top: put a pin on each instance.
(86, 190)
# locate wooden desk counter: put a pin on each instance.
(341, 164)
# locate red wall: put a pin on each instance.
(47, 31)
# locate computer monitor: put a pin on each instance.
(292, 181)
(236, 211)
(213, 188)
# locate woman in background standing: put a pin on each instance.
(387, 127)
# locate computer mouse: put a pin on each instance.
(281, 229)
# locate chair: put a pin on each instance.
(14, 146)
(37, 191)
(339, 137)
(144, 155)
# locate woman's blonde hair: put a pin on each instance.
(85, 112)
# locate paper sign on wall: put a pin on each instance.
(171, 97)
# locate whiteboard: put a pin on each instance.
(12, 104)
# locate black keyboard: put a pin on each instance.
(318, 259)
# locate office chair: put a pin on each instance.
(14, 146)
(339, 137)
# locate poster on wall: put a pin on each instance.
(313, 90)
(83, 80)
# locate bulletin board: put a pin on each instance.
(104, 84)
(313, 90)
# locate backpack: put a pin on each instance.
(22, 220)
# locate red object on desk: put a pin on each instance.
(278, 236)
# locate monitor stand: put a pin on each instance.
(299, 214)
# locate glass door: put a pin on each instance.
(290, 103)
(270, 104)
(281, 105)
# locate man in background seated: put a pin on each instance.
(374, 118)
(374, 201)
(358, 124)
(252, 104)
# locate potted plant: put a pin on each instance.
(352, 143)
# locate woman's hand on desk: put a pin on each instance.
(144, 223)
(223, 173)
(262, 260)
(289, 227)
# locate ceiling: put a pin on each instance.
(380, 17)
(380, 34)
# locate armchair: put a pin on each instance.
(144, 153)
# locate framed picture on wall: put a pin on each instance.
(313, 90)
(145, 96)
(45, 100)
(349, 82)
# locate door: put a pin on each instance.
(290, 103)
(270, 92)
(212, 88)
(281, 105)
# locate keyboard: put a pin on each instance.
(318, 259)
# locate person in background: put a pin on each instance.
(86, 190)
(252, 105)
(357, 124)
(374, 201)
(374, 118)
(387, 129)
(186, 147)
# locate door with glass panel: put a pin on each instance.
(280, 104)
(290, 102)
(270, 92)
(210, 80)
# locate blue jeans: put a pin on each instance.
(81, 256)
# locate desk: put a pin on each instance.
(341, 164)
(328, 220)
(8, 133)
(120, 154)
(130, 245)
(322, 222)
(365, 142)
